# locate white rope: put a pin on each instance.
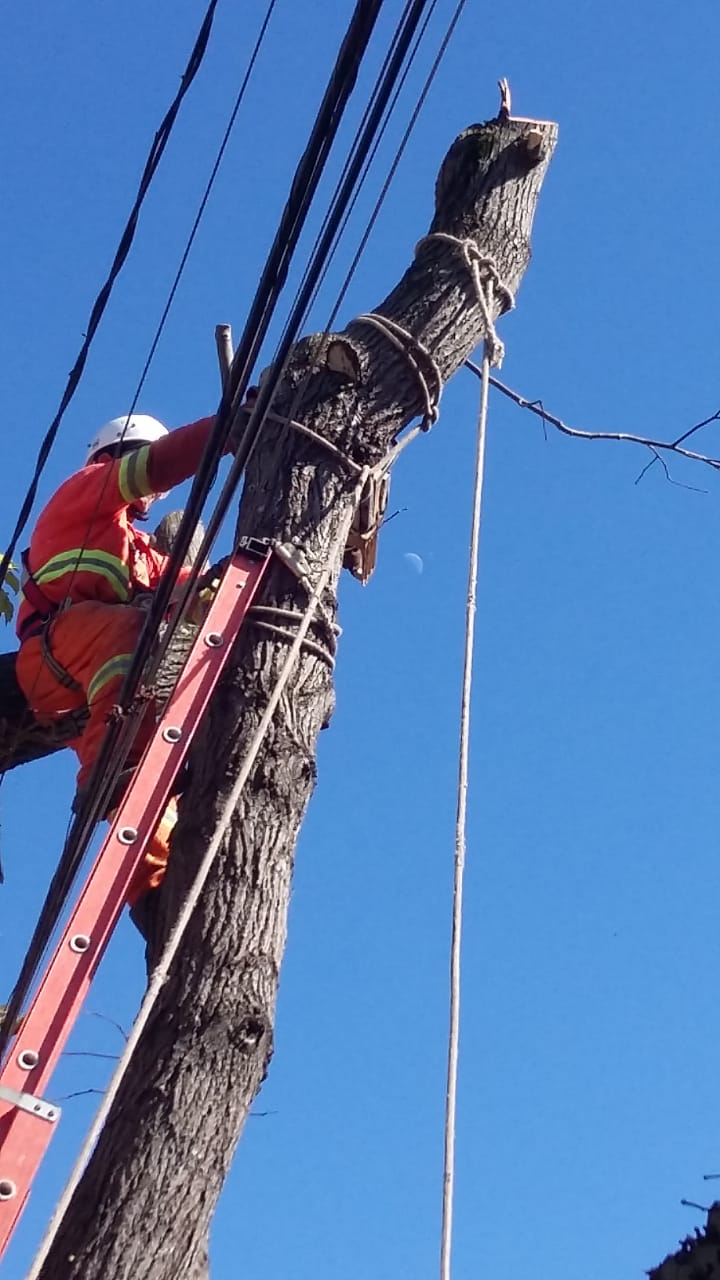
(461, 834)
(259, 614)
(486, 279)
(347, 461)
(411, 348)
(160, 974)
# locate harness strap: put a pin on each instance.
(34, 594)
(31, 626)
(60, 673)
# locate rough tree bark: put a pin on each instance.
(146, 1199)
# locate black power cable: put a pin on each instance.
(203, 203)
(361, 126)
(176, 281)
(366, 169)
(270, 383)
(303, 187)
(151, 165)
(239, 373)
(109, 761)
(449, 31)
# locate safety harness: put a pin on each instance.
(38, 623)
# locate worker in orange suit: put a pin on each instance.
(85, 572)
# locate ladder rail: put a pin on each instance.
(27, 1120)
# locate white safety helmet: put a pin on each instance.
(139, 429)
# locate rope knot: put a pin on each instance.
(488, 286)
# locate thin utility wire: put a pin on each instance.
(327, 238)
(273, 278)
(166, 309)
(461, 835)
(239, 374)
(359, 129)
(115, 744)
(151, 165)
(201, 207)
(371, 158)
(397, 158)
(297, 399)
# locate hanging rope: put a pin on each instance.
(161, 972)
(490, 353)
(460, 840)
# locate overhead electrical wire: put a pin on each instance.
(172, 292)
(108, 763)
(203, 203)
(273, 277)
(322, 247)
(175, 284)
(160, 974)
(388, 180)
(358, 133)
(267, 295)
(371, 157)
(151, 165)
(449, 31)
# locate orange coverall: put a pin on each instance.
(85, 550)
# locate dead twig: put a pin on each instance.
(79, 1093)
(89, 1053)
(656, 447)
(93, 1013)
(657, 458)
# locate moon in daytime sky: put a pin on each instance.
(414, 562)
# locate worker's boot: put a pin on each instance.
(118, 792)
(145, 914)
(145, 891)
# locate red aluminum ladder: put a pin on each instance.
(27, 1120)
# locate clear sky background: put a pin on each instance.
(590, 1055)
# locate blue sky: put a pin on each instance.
(588, 1056)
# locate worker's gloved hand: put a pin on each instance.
(211, 578)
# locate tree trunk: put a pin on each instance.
(22, 738)
(207, 1046)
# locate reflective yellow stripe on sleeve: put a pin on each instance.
(133, 474)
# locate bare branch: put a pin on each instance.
(678, 483)
(79, 1093)
(89, 1053)
(655, 446)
